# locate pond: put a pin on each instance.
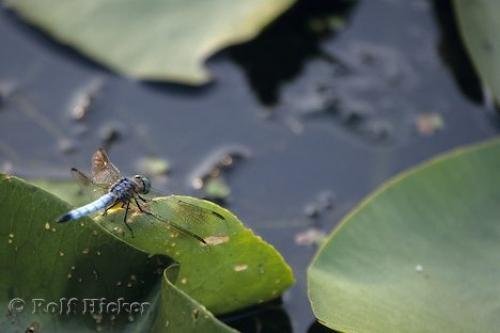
(323, 115)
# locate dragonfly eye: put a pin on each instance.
(144, 183)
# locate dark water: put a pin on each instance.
(319, 110)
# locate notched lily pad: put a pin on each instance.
(42, 259)
(185, 316)
(231, 257)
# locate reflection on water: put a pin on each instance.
(280, 52)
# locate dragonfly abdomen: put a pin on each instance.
(88, 209)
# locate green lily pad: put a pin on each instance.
(419, 255)
(181, 315)
(479, 23)
(154, 39)
(43, 260)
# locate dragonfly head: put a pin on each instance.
(143, 184)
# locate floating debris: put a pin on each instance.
(429, 123)
(378, 130)
(309, 237)
(82, 101)
(240, 268)
(217, 188)
(323, 25)
(311, 210)
(222, 158)
(153, 166)
(351, 86)
(110, 133)
(419, 268)
(325, 200)
(216, 240)
(295, 125)
(208, 176)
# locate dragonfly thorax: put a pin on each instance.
(127, 187)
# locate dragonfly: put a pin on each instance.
(128, 192)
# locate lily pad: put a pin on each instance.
(81, 260)
(182, 315)
(154, 39)
(419, 255)
(479, 22)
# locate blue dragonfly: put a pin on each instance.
(128, 192)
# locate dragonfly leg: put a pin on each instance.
(141, 209)
(109, 207)
(142, 199)
(125, 219)
(138, 206)
(106, 211)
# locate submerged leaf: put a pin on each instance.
(154, 39)
(419, 255)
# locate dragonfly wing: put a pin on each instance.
(186, 212)
(175, 226)
(189, 211)
(193, 213)
(87, 185)
(80, 177)
(103, 171)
